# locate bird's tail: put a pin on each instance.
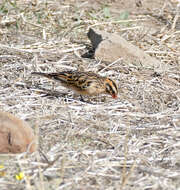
(41, 74)
(55, 76)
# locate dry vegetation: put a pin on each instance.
(128, 143)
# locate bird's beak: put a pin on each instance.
(114, 96)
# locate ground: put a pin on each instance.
(128, 143)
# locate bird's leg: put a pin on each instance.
(82, 99)
(85, 101)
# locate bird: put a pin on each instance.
(83, 83)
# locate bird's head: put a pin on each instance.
(111, 88)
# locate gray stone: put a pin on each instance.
(111, 47)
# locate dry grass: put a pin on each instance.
(128, 143)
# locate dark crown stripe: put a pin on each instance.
(114, 84)
(110, 89)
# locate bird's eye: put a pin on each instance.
(108, 88)
(111, 89)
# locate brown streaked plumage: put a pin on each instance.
(84, 83)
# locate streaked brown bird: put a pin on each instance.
(84, 83)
